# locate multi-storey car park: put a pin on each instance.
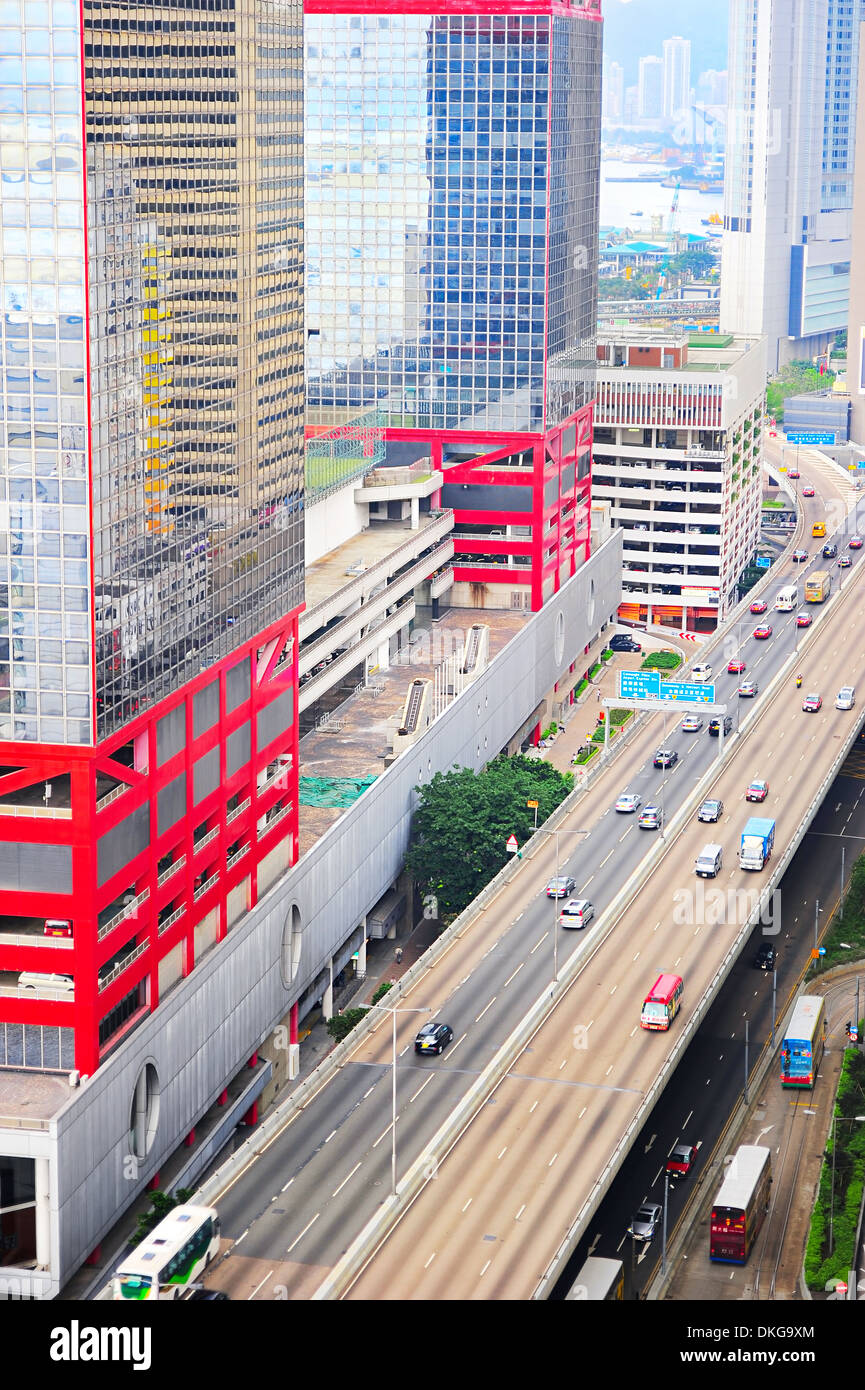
(677, 456)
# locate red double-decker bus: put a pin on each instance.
(662, 1003)
(741, 1205)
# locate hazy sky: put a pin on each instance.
(633, 28)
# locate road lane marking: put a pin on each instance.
(516, 972)
(485, 1268)
(303, 1233)
(430, 1260)
(383, 1135)
(563, 1064)
(421, 1086)
(627, 832)
(540, 943)
(258, 1286)
(532, 1106)
(368, 1093)
(488, 1006)
(552, 1160)
(613, 990)
(637, 956)
(457, 1043)
(468, 1204)
(603, 861)
(504, 1151)
(291, 1180)
(345, 1180)
(520, 1212)
(588, 881)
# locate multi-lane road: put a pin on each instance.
(561, 1110)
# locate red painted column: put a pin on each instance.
(223, 1097)
(189, 1140)
(292, 1023)
(153, 1185)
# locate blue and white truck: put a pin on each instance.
(758, 837)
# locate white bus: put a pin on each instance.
(171, 1257)
(787, 598)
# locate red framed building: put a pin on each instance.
(151, 573)
(464, 305)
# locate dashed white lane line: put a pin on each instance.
(421, 1086)
(430, 1260)
(516, 972)
(552, 1160)
(468, 1204)
(520, 1212)
(603, 861)
(345, 1180)
(259, 1285)
(485, 1268)
(303, 1233)
(540, 943)
(488, 1006)
(504, 1151)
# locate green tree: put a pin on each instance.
(695, 264)
(161, 1204)
(464, 819)
(340, 1025)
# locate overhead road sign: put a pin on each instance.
(811, 438)
(639, 685)
(688, 690)
(763, 562)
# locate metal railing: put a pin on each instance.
(122, 965)
(126, 911)
(175, 916)
(238, 810)
(171, 870)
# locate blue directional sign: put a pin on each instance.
(811, 438)
(763, 562)
(687, 690)
(861, 463)
(639, 685)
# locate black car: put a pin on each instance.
(622, 643)
(711, 810)
(715, 726)
(765, 957)
(830, 550)
(665, 757)
(209, 1296)
(434, 1037)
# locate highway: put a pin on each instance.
(709, 1079)
(297, 1207)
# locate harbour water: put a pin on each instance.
(620, 202)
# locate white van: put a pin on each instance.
(709, 861)
(701, 672)
(50, 986)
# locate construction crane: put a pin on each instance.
(674, 211)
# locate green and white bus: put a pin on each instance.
(171, 1257)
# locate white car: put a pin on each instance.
(846, 697)
(691, 724)
(628, 801)
(576, 913)
(701, 673)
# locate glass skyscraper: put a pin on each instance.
(451, 228)
(151, 466)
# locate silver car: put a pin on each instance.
(691, 724)
(645, 1221)
(577, 913)
(846, 697)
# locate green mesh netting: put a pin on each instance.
(332, 791)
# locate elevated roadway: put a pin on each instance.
(493, 1223)
(294, 1207)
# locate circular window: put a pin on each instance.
(559, 639)
(292, 944)
(144, 1111)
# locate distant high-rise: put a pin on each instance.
(787, 197)
(614, 93)
(712, 87)
(651, 87)
(677, 77)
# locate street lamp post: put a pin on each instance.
(393, 1013)
(817, 910)
(557, 832)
